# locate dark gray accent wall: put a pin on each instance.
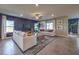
(23, 24)
(20, 24)
(0, 24)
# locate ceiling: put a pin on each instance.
(46, 10)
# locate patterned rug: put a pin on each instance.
(42, 41)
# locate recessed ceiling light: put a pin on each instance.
(36, 5)
(21, 15)
(52, 15)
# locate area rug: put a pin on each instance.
(42, 41)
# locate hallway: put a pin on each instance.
(59, 46)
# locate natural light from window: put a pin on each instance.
(9, 26)
(49, 26)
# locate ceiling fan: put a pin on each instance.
(37, 16)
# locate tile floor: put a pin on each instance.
(60, 46)
(8, 47)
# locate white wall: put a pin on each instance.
(3, 34)
(61, 26)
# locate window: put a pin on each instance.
(49, 26)
(9, 26)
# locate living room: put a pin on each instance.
(38, 29)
